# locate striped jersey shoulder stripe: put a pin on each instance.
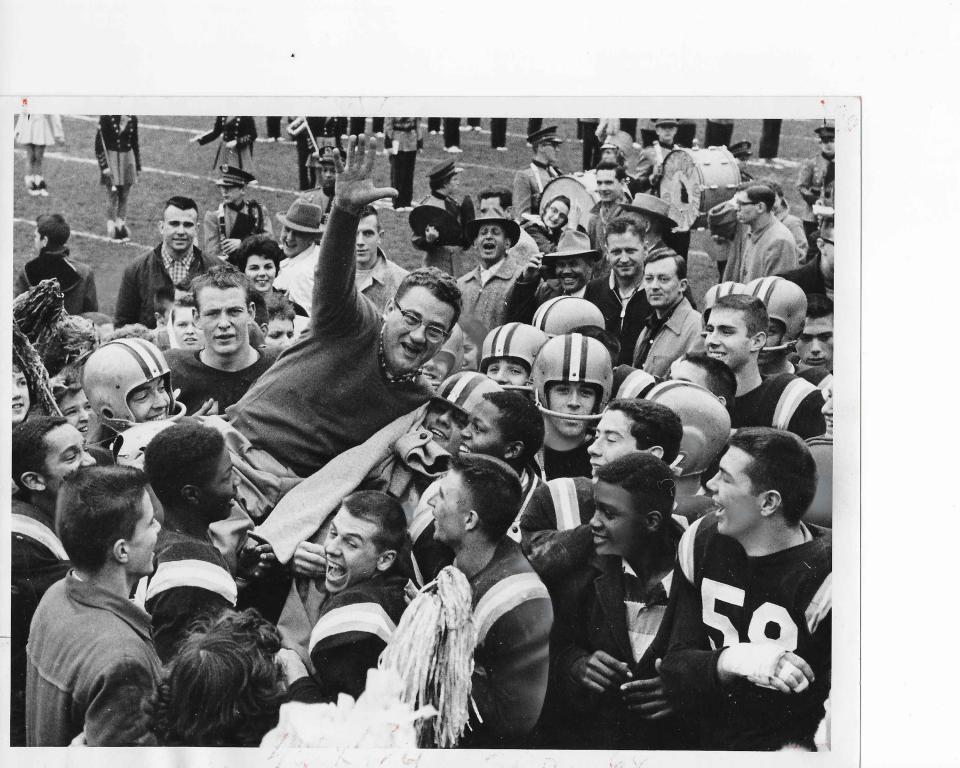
(503, 597)
(369, 618)
(820, 605)
(789, 401)
(563, 492)
(685, 549)
(38, 532)
(192, 573)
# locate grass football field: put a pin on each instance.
(172, 165)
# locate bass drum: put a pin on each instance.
(695, 180)
(579, 188)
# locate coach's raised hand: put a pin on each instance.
(354, 185)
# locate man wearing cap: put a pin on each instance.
(650, 167)
(741, 151)
(815, 181)
(300, 240)
(487, 287)
(769, 247)
(571, 265)
(322, 163)
(235, 218)
(444, 178)
(528, 183)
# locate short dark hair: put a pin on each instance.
(256, 245)
(495, 491)
(504, 195)
(753, 310)
(279, 306)
(223, 688)
(383, 510)
(649, 480)
(96, 506)
(720, 379)
(607, 165)
(163, 297)
(780, 461)
(369, 210)
(443, 287)
(28, 450)
(819, 306)
(182, 454)
(610, 340)
(222, 277)
(520, 421)
(774, 185)
(66, 383)
(180, 202)
(622, 225)
(662, 255)
(652, 424)
(761, 193)
(53, 227)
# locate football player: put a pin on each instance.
(508, 353)
(786, 306)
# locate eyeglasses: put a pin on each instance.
(434, 333)
(821, 241)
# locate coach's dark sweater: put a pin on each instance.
(327, 392)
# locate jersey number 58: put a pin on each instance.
(770, 622)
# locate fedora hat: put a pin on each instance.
(572, 243)
(430, 215)
(648, 205)
(510, 228)
(303, 217)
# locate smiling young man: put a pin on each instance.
(228, 365)
(749, 653)
(91, 658)
(363, 600)
(191, 473)
(612, 196)
(45, 451)
(486, 289)
(477, 501)
(354, 371)
(555, 528)
(508, 352)
(735, 333)
(173, 263)
(673, 329)
(608, 690)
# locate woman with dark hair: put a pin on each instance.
(224, 687)
(259, 257)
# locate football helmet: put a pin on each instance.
(576, 359)
(785, 301)
(562, 314)
(117, 368)
(465, 389)
(517, 340)
(706, 423)
(718, 290)
(635, 384)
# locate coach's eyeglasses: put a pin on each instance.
(434, 333)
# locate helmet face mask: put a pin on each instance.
(115, 370)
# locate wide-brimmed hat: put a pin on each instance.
(231, 176)
(430, 215)
(648, 205)
(303, 217)
(544, 136)
(663, 122)
(510, 228)
(572, 243)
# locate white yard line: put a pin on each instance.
(87, 235)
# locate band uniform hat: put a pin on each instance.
(826, 131)
(544, 136)
(443, 170)
(430, 215)
(664, 122)
(619, 141)
(649, 205)
(303, 217)
(572, 243)
(324, 155)
(741, 149)
(231, 176)
(510, 228)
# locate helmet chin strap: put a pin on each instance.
(790, 346)
(570, 416)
